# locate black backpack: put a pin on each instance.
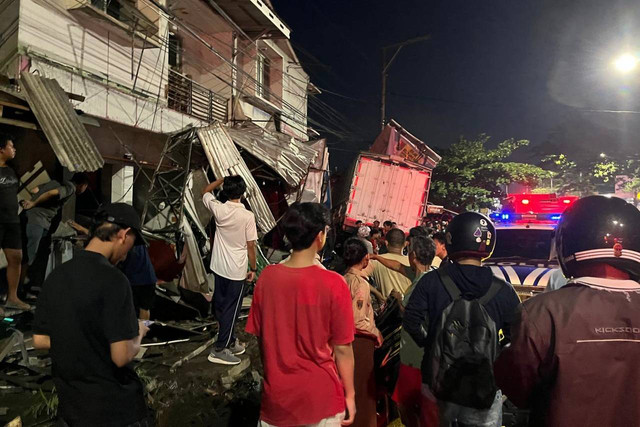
(460, 362)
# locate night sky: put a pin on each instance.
(523, 69)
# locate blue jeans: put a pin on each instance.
(34, 234)
(453, 415)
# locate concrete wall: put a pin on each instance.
(89, 57)
(294, 93)
(111, 104)
(204, 66)
(291, 86)
(93, 45)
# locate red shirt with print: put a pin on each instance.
(299, 314)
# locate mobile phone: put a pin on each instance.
(148, 323)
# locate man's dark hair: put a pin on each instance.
(418, 231)
(105, 231)
(387, 224)
(424, 249)
(440, 237)
(375, 231)
(395, 237)
(80, 178)
(358, 222)
(4, 140)
(234, 187)
(303, 222)
(354, 251)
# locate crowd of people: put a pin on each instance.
(466, 341)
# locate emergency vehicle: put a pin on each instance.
(524, 254)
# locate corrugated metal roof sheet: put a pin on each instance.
(68, 137)
(225, 160)
(288, 158)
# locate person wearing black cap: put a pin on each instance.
(85, 317)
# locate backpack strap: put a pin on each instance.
(449, 284)
(496, 286)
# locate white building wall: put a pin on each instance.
(88, 62)
(122, 185)
(112, 104)
(294, 95)
(295, 99)
(48, 30)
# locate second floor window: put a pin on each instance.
(110, 7)
(175, 51)
(263, 77)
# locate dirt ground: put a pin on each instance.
(198, 393)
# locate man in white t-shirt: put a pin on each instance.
(234, 249)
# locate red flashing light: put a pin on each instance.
(538, 203)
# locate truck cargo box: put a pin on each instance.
(386, 188)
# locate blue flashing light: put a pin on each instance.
(503, 216)
(555, 217)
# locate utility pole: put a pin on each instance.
(385, 70)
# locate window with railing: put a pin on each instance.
(188, 97)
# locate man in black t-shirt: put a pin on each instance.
(10, 237)
(85, 316)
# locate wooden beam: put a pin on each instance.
(13, 101)
(12, 105)
(19, 123)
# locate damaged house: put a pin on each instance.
(119, 89)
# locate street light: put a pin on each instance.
(626, 63)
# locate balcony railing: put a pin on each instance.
(189, 97)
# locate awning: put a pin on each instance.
(225, 160)
(255, 17)
(68, 137)
(288, 158)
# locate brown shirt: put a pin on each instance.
(574, 355)
(361, 300)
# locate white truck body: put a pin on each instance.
(387, 188)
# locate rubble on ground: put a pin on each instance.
(182, 386)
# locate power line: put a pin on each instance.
(225, 76)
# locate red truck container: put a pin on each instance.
(384, 187)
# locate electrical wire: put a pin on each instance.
(322, 110)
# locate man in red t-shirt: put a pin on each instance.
(302, 317)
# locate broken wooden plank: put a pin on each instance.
(193, 354)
